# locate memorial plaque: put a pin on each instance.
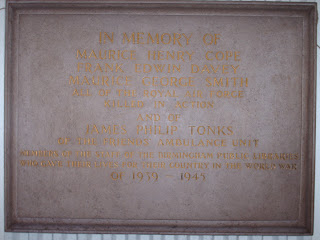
(160, 117)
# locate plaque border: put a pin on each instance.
(304, 226)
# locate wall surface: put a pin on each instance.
(34, 236)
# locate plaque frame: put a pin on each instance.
(303, 226)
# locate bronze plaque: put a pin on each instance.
(160, 117)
